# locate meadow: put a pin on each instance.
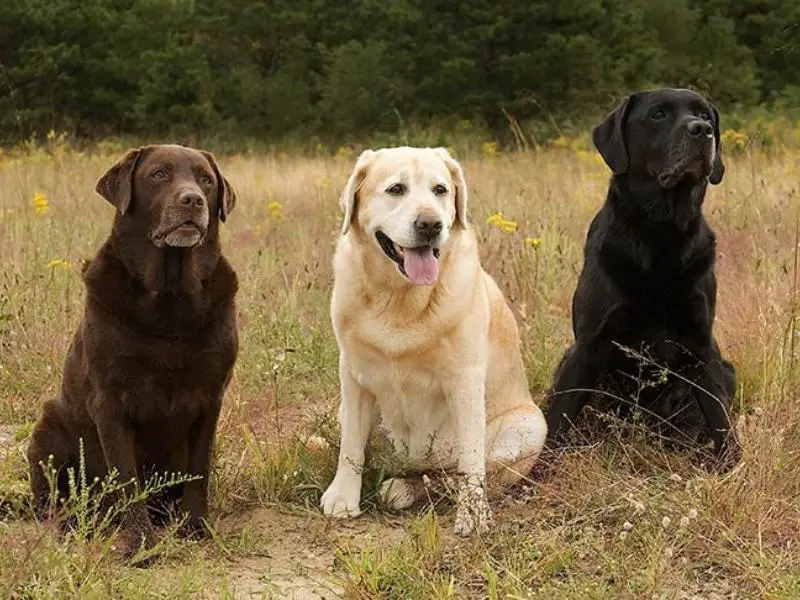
(618, 516)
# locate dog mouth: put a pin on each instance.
(697, 166)
(184, 235)
(420, 265)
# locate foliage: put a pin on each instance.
(333, 70)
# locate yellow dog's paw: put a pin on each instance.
(398, 493)
(341, 499)
(473, 514)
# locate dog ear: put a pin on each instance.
(457, 175)
(350, 192)
(717, 168)
(609, 137)
(116, 185)
(227, 195)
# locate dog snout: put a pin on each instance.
(700, 129)
(192, 199)
(428, 227)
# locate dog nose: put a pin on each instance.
(700, 128)
(192, 198)
(428, 227)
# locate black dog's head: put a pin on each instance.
(669, 136)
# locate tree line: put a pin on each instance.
(345, 69)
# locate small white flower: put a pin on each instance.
(627, 526)
(666, 522)
(693, 514)
(623, 535)
(684, 522)
(676, 478)
(668, 552)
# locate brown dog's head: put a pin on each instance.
(173, 193)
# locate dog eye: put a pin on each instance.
(705, 116)
(439, 190)
(159, 174)
(205, 180)
(658, 115)
(397, 189)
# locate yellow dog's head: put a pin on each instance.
(406, 201)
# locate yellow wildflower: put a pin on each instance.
(734, 140)
(589, 157)
(560, 142)
(533, 242)
(576, 145)
(344, 152)
(489, 149)
(502, 223)
(40, 204)
(59, 263)
(275, 210)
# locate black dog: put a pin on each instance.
(646, 297)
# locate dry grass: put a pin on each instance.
(618, 518)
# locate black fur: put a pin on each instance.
(648, 280)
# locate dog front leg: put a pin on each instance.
(117, 438)
(715, 381)
(573, 382)
(356, 413)
(468, 406)
(194, 501)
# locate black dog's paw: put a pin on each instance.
(547, 463)
(729, 455)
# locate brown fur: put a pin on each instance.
(150, 361)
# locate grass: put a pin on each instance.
(619, 517)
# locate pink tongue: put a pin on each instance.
(421, 266)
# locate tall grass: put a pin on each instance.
(618, 518)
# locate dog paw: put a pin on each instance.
(473, 514)
(135, 543)
(398, 493)
(729, 456)
(341, 499)
(194, 529)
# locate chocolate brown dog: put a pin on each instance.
(148, 366)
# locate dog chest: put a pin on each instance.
(161, 379)
(412, 406)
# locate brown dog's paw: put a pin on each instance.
(135, 545)
(194, 529)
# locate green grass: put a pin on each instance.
(620, 517)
